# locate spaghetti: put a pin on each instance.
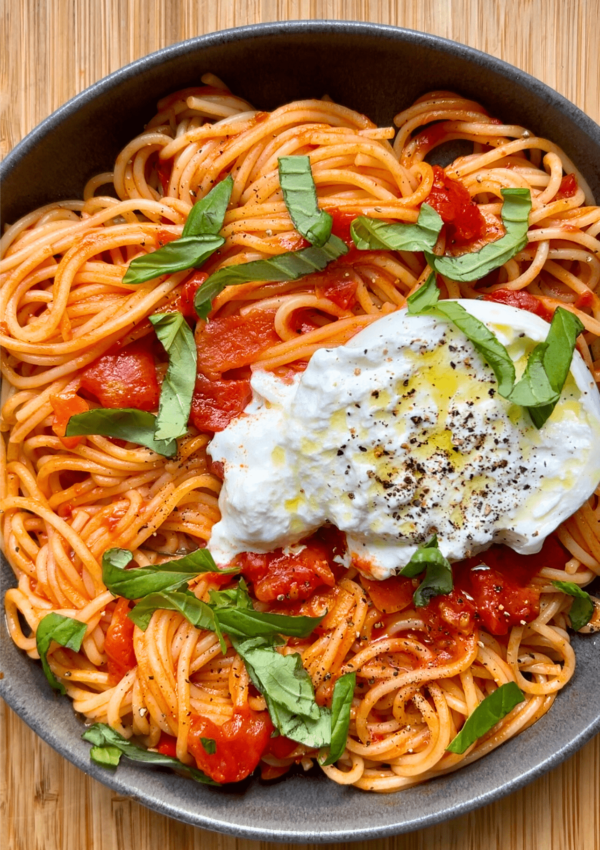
(69, 328)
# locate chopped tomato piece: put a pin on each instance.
(118, 643)
(281, 747)
(452, 201)
(216, 403)
(188, 293)
(124, 379)
(277, 576)
(391, 595)
(341, 224)
(521, 299)
(449, 620)
(64, 406)
(167, 745)
(233, 341)
(240, 743)
(338, 286)
(568, 187)
(585, 300)
(499, 582)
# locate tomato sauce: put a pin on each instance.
(240, 743)
(337, 285)
(216, 403)
(452, 201)
(167, 745)
(233, 341)
(568, 187)
(125, 379)
(341, 224)
(118, 643)
(188, 293)
(521, 299)
(64, 406)
(499, 583)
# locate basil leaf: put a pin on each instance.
(493, 708)
(485, 342)
(141, 581)
(425, 298)
(210, 745)
(300, 196)
(372, 234)
(557, 358)
(534, 388)
(236, 615)
(179, 255)
(195, 611)
(289, 266)
(438, 572)
(288, 692)
(124, 423)
(343, 692)
(65, 631)
(178, 384)
(207, 215)
(469, 267)
(102, 736)
(312, 733)
(281, 679)
(582, 607)
(106, 756)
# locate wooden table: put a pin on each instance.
(55, 49)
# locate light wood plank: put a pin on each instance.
(56, 48)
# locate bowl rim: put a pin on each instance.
(33, 717)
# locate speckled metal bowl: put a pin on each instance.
(378, 70)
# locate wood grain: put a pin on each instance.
(54, 49)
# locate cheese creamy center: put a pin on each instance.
(401, 434)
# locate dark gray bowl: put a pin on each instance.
(377, 70)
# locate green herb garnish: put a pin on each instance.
(124, 423)
(372, 234)
(343, 692)
(109, 746)
(65, 631)
(474, 266)
(199, 239)
(300, 196)
(582, 607)
(438, 572)
(493, 708)
(178, 384)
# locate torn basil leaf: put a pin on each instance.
(190, 252)
(489, 712)
(106, 739)
(289, 266)
(474, 266)
(195, 611)
(438, 572)
(425, 298)
(288, 691)
(372, 234)
(65, 631)
(300, 196)
(343, 692)
(178, 384)
(199, 239)
(141, 581)
(582, 607)
(207, 215)
(123, 423)
(210, 745)
(556, 358)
